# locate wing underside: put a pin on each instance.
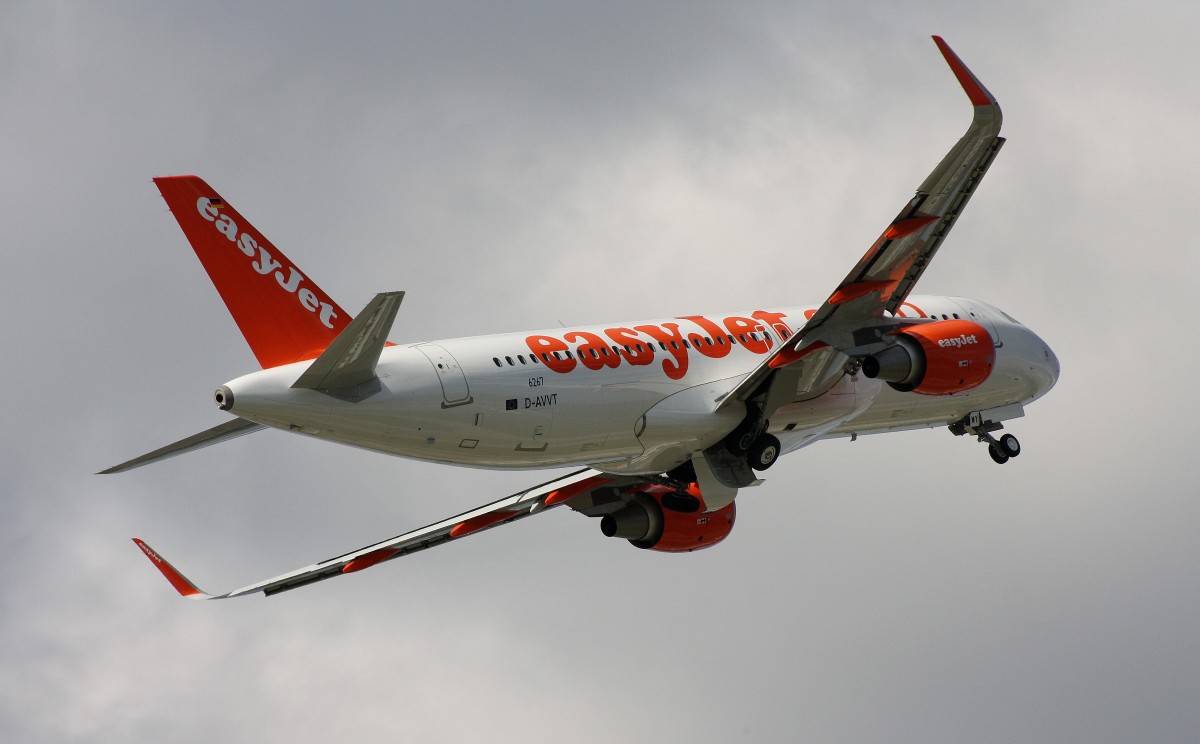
(578, 489)
(859, 312)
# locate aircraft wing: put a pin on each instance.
(852, 320)
(509, 509)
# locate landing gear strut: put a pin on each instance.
(1001, 450)
(742, 439)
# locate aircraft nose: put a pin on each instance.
(1046, 366)
(1052, 363)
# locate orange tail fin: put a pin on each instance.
(283, 314)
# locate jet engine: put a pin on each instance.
(940, 358)
(647, 524)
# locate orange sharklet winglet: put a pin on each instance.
(978, 94)
(179, 581)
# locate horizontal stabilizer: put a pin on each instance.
(351, 358)
(227, 430)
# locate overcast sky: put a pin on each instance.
(516, 165)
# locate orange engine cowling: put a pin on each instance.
(647, 524)
(940, 358)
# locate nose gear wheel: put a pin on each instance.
(1001, 450)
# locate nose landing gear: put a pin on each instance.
(1001, 450)
(1004, 448)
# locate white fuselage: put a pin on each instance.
(631, 398)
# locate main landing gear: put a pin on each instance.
(1001, 450)
(751, 440)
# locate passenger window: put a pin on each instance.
(521, 358)
(497, 361)
(509, 360)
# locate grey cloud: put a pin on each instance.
(894, 589)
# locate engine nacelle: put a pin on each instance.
(940, 358)
(646, 524)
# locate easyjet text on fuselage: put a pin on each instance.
(639, 344)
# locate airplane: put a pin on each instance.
(666, 419)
